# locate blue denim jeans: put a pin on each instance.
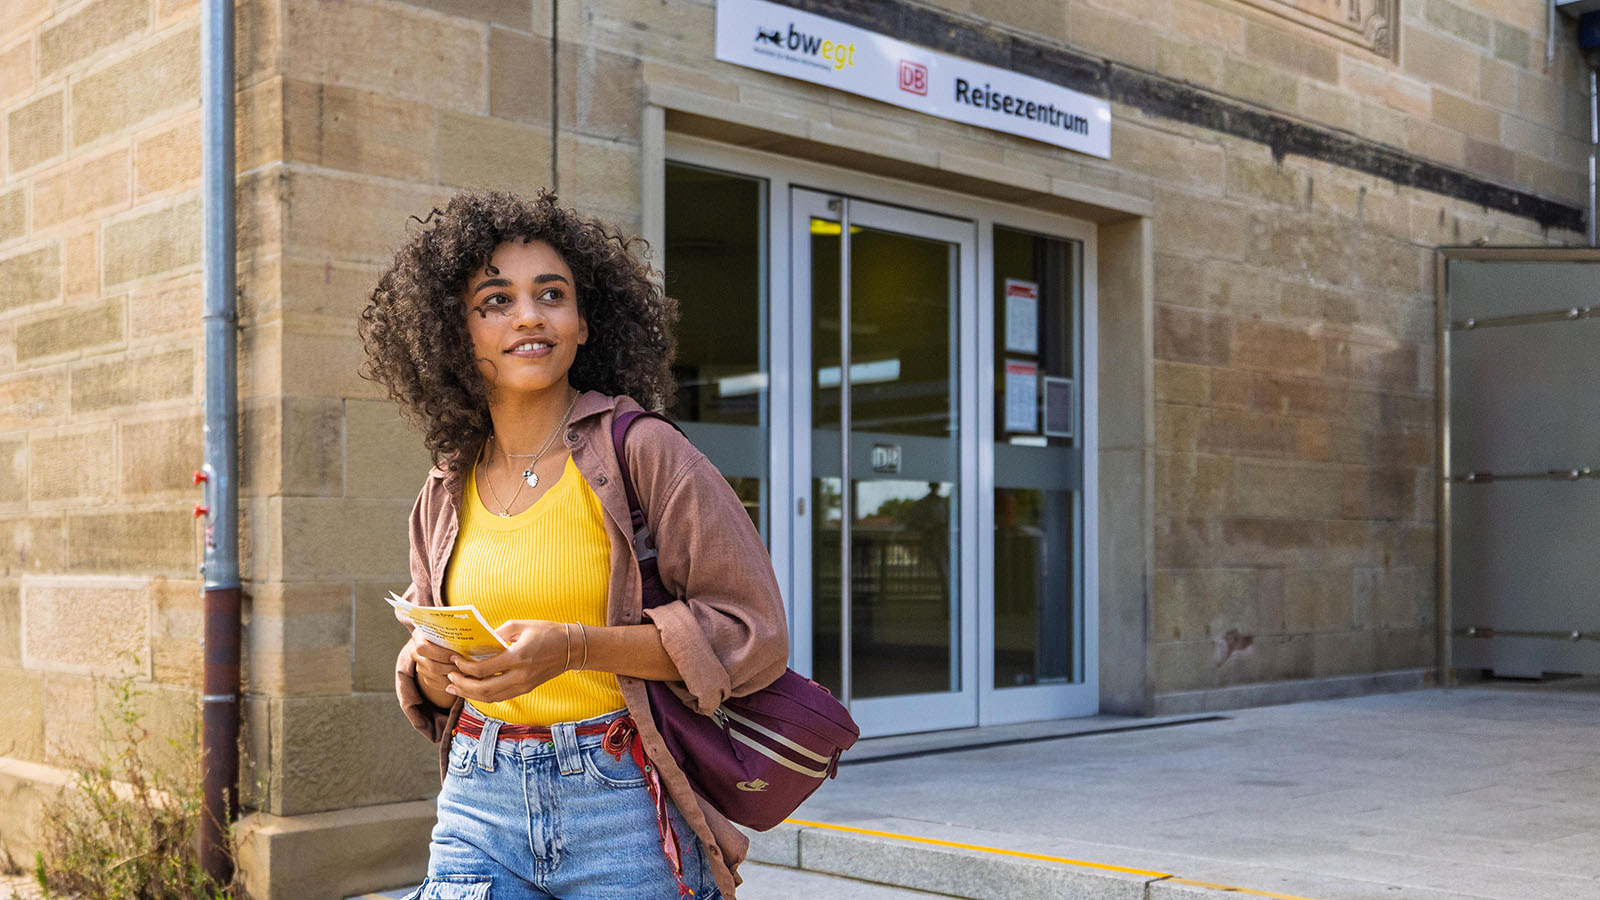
(533, 820)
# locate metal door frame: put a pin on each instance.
(780, 172)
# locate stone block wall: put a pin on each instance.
(100, 371)
(1469, 86)
(1294, 444)
(373, 132)
(455, 95)
(1295, 461)
(101, 361)
(1294, 367)
(341, 138)
(1295, 426)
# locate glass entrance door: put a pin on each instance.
(883, 298)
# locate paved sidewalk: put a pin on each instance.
(1446, 794)
(1479, 793)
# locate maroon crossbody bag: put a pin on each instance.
(761, 755)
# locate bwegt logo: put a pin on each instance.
(839, 55)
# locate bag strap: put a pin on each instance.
(643, 547)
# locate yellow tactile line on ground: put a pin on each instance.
(980, 848)
(1039, 856)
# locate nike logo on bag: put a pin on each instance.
(757, 785)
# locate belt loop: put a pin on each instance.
(486, 742)
(565, 736)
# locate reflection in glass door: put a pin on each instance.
(1037, 461)
(885, 292)
(716, 267)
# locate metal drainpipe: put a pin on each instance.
(1594, 138)
(555, 96)
(220, 700)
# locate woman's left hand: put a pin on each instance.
(537, 652)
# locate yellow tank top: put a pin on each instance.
(550, 561)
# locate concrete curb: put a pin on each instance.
(966, 873)
(1277, 693)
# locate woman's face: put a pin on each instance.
(522, 314)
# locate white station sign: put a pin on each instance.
(809, 47)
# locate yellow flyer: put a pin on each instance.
(458, 628)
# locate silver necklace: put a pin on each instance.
(528, 477)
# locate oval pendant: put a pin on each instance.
(531, 479)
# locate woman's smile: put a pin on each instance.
(531, 349)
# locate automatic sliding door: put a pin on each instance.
(886, 291)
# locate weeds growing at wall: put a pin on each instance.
(127, 828)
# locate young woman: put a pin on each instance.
(513, 331)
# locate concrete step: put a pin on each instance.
(923, 859)
(938, 867)
(764, 882)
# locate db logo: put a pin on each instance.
(913, 77)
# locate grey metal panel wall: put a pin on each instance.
(1480, 288)
(1526, 398)
(1524, 402)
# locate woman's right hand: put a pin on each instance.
(434, 669)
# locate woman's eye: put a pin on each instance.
(553, 295)
(497, 304)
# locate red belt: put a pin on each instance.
(471, 726)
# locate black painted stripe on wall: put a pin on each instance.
(1172, 99)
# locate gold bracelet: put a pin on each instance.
(585, 633)
(566, 627)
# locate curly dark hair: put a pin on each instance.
(414, 326)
